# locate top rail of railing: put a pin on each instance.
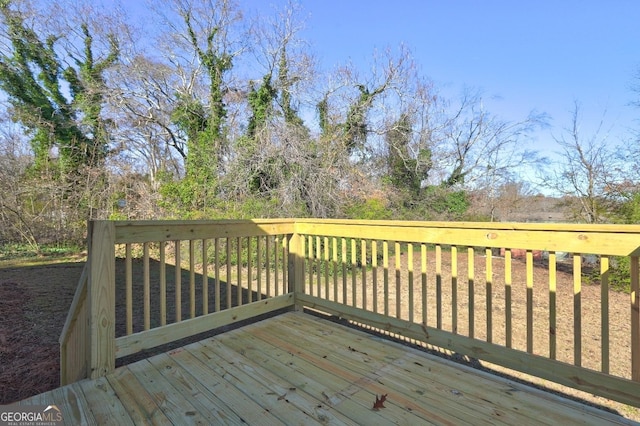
(604, 239)
(142, 231)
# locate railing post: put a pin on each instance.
(101, 348)
(295, 268)
(635, 318)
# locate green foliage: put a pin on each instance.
(619, 274)
(263, 175)
(629, 210)
(248, 207)
(261, 102)
(203, 125)
(456, 177)
(290, 114)
(432, 203)
(369, 209)
(197, 188)
(265, 178)
(453, 204)
(181, 197)
(35, 79)
(190, 116)
(323, 115)
(12, 251)
(117, 215)
(355, 127)
(217, 62)
(405, 171)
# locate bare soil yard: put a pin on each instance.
(34, 301)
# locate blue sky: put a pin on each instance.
(522, 55)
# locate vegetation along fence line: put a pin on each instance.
(459, 287)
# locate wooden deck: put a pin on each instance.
(296, 368)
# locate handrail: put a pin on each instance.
(613, 240)
(187, 277)
(74, 329)
(523, 226)
(387, 275)
(78, 298)
(217, 267)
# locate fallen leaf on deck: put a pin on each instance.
(379, 402)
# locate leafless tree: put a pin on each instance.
(480, 147)
(14, 162)
(279, 162)
(141, 105)
(502, 202)
(585, 172)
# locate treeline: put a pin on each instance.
(216, 112)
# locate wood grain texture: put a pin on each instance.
(295, 368)
(307, 273)
(101, 296)
(616, 388)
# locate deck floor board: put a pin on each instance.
(408, 383)
(277, 381)
(249, 384)
(344, 384)
(106, 407)
(296, 368)
(403, 371)
(202, 398)
(237, 403)
(307, 377)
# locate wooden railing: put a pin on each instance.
(439, 283)
(74, 337)
(510, 294)
(169, 281)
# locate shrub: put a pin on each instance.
(370, 209)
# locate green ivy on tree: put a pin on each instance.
(34, 80)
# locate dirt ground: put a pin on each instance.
(34, 301)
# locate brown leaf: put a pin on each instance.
(379, 402)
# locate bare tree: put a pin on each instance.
(278, 162)
(288, 65)
(478, 145)
(502, 202)
(141, 105)
(14, 162)
(585, 172)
